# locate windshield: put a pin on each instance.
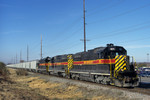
(118, 53)
(115, 53)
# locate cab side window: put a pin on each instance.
(99, 55)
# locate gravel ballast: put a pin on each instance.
(96, 89)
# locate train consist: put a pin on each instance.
(105, 65)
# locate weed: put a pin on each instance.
(21, 72)
(4, 73)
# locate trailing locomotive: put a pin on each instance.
(106, 65)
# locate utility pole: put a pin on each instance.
(41, 46)
(147, 59)
(12, 60)
(84, 25)
(16, 58)
(27, 53)
(20, 56)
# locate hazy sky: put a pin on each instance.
(60, 22)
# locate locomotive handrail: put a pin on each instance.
(110, 67)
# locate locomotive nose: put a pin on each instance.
(120, 64)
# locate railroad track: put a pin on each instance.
(142, 88)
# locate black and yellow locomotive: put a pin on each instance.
(106, 65)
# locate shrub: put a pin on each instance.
(4, 71)
(21, 72)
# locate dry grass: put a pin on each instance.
(52, 90)
(21, 72)
(35, 88)
(18, 90)
(26, 87)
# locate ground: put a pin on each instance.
(32, 87)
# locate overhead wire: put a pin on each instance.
(112, 18)
(34, 49)
(102, 4)
(125, 32)
(72, 26)
(111, 6)
(65, 38)
(61, 41)
(121, 14)
(134, 40)
(128, 41)
(79, 29)
(111, 33)
(70, 47)
(127, 13)
(68, 37)
(67, 29)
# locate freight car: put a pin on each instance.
(30, 66)
(106, 65)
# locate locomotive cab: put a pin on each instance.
(111, 51)
(122, 73)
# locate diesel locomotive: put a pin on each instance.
(105, 65)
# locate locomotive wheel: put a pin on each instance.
(118, 83)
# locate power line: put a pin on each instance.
(71, 25)
(102, 4)
(123, 32)
(130, 11)
(67, 28)
(68, 37)
(112, 35)
(134, 40)
(84, 26)
(70, 47)
(128, 27)
(128, 41)
(111, 6)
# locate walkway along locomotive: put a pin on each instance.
(106, 65)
